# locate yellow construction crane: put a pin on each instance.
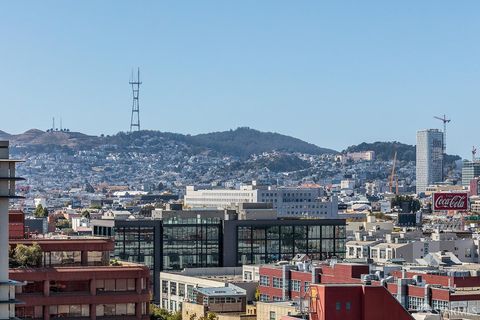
(393, 175)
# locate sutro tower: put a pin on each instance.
(135, 119)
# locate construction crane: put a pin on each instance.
(393, 175)
(474, 152)
(445, 121)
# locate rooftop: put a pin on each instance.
(222, 292)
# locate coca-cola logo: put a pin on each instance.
(450, 201)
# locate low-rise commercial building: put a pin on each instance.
(179, 287)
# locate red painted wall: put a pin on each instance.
(366, 303)
(16, 224)
(343, 273)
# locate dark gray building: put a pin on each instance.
(175, 240)
(470, 170)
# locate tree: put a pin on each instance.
(86, 214)
(157, 313)
(63, 223)
(40, 211)
(28, 256)
(209, 316)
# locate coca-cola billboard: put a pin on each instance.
(450, 201)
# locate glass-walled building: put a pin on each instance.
(217, 238)
(267, 244)
(267, 241)
(191, 243)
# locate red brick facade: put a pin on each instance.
(81, 289)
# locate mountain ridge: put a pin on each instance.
(241, 142)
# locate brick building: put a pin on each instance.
(282, 282)
(16, 224)
(75, 280)
(354, 302)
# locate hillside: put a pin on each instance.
(245, 141)
(385, 151)
(241, 142)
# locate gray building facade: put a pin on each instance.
(217, 238)
(429, 164)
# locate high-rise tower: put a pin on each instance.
(135, 119)
(429, 164)
(7, 192)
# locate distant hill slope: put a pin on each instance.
(245, 141)
(241, 142)
(385, 151)
(4, 135)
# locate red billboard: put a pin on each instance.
(450, 201)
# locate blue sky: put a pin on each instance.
(334, 73)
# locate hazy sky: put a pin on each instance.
(334, 73)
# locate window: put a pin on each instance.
(131, 284)
(440, 305)
(295, 284)
(173, 288)
(307, 286)
(121, 285)
(277, 283)
(338, 306)
(181, 290)
(264, 281)
(415, 303)
(348, 305)
(110, 285)
(164, 286)
(61, 311)
(273, 315)
(264, 297)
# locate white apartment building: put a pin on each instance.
(287, 201)
(348, 184)
(361, 156)
(464, 249)
(359, 249)
(218, 198)
(429, 166)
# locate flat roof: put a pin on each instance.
(220, 292)
(77, 244)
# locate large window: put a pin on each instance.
(115, 285)
(415, 303)
(295, 284)
(264, 297)
(267, 244)
(122, 309)
(61, 311)
(135, 244)
(277, 283)
(264, 281)
(191, 245)
(69, 286)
